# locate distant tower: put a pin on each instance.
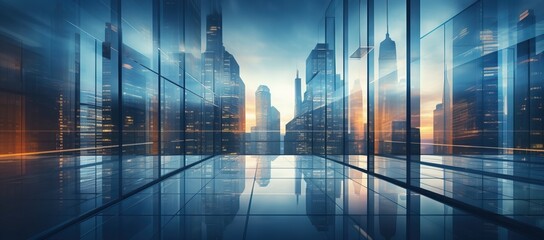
(298, 95)
(262, 112)
(390, 93)
(438, 129)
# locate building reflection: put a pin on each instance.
(264, 170)
(221, 197)
(265, 135)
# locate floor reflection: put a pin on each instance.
(281, 197)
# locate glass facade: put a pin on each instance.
(401, 107)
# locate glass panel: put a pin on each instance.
(171, 41)
(137, 26)
(172, 140)
(140, 124)
(390, 88)
(357, 83)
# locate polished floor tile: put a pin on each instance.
(295, 197)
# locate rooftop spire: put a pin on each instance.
(297, 73)
(387, 17)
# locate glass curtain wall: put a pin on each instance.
(447, 98)
(97, 99)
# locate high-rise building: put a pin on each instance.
(267, 129)
(475, 100)
(274, 136)
(232, 95)
(390, 96)
(438, 130)
(110, 89)
(262, 110)
(298, 95)
(221, 77)
(321, 85)
(318, 127)
(528, 90)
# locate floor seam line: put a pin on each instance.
(250, 200)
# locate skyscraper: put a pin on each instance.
(110, 88)
(232, 94)
(475, 86)
(298, 97)
(528, 89)
(317, 129)
(321, 87)
(438, 129)
(390, 94)
(221, 75)
(274, 131)
(267, 129)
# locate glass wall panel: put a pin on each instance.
(390, 88)
(140, 124)
(137, 30)
(171, 40)
(356, 85)
(193, 124)
(172, 119)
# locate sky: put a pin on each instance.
(270, 40)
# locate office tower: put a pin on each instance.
(266, 133)
(447, 106)
(356, 120)
(213, 56)
(298, 95)
(321, 87)
(318, 127)
(390, 95)
(110, 89)
(475, 86)
(274, 136)
(438, 130)
(297, 135)
(262, 111)
(297, 138)
(232, 95)
(528, 92)
(221, 76)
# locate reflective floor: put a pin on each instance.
(282, 197)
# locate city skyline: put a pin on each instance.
(259, 119)
(270, 50)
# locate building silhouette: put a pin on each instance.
(439, 130)
(475, 101)
(221, 76)
(391, 98)
(298, 95)
(318, 128)
(266, 133)
(528, 98)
